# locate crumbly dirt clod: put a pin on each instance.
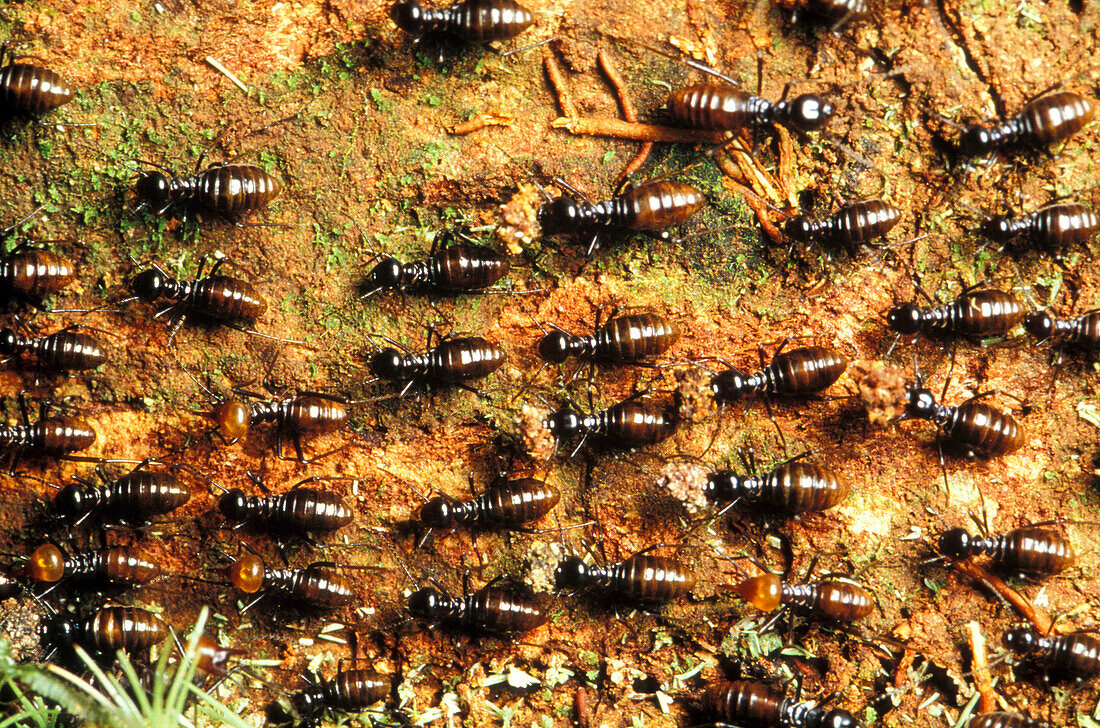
(21, 624)
(687, 483)
(694, 396)
(542, 559)
(531, 429)
(883, 391)
(520, 214)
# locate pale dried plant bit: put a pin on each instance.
(521, 219)
(687, 483)
(531, 429)
(542, 560)
(883, 389)
(694, 395)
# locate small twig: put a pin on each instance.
(619, 129)
(786, 161)
(557, 80)
(1038, 618)
(217, 66)
(629, 114)
(480, 122)
(988, 700)
(751, 198)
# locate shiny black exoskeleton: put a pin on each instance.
(797, 372)
(131, 499)
(301, 509)
(348, 691)
(106, 631)
(973, 315)
(62, 351)
(453, 362)
(721, 107)
(508, 504)
(29, 89)
(623, 340)
(856, 224)
(457, 268)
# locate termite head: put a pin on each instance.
(149, 285)
(234, 505)
(46, 564)
(154, 188)
(560, 215)
(247, 573)
(387, 274)
(233, 418)
(977, 140)
(437, 513)
(426, 604)
(729, 385)
(8, 342)
(1040, 325)
(408, 15)
(999, 227)
(955, 543)
(60, 632)
(570, 573)
(388, 364)
(73, 501)
(799, 228)
(921, 405)
(563, 423)
(838, 718)
(554, 347)
(1021, 640)
(904, 318)
(809, 112)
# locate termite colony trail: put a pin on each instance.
(215, 390)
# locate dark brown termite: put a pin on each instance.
(750, 704)
(489, 609)
(509, 504)
(628, 424)
(797, 487)
(856, 224)
(627, 339)
(798, 372)
(1030, 549)
(642, 577)
(1076, 655)
(62, 351)
(1051, 228)
(1082, 332)
(30, 274)
(106, 631)
(131, 499)
(348, 691)
(973, 315)
(453, 362)
(648, 207)
(974, 427)
(1043, 122)
(451, 268)
(300, 510)
(838, 599)
(473, 21)
(57, 437)
(297, 417)
(1005, 720)
(112, 566)
(226, 190)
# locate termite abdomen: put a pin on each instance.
(300, 509)
(488, 609)
(797, 372)
(34, 274)
(624, 339)
(30, 89)
(721, 107)
(65, 350)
